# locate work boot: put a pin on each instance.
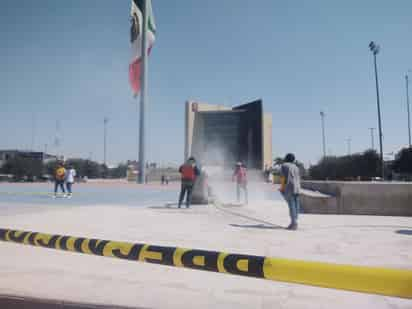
(292, 227)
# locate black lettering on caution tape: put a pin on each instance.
(209, 260)
(17, 237)
(63, 242)
(132, 255)
(166, 254)
(3, 234)
(96, 246)
(51, 243)
(254, 265)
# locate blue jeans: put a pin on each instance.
(186, 188)
(58, 183)
(294, 207)
(69, 187)
(239, 187)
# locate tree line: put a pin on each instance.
(363, 166)
(31, 169)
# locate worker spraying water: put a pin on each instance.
(240, 177)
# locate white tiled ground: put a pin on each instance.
(39, 272)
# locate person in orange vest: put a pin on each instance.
(59, 177)
(189, 171)
(240, 176)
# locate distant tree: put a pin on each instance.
(403, 161)
(83, 167)
(365, 166)
(278, 161)
(118, 171)
(302, 170)
(105, 170)
(20, 167)
(50, 167)
(369, 164)
(92, 169)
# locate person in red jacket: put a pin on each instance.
(240, 176)
(189, 171)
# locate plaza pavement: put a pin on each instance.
(256, 229)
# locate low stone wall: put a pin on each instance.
(318, 203)
(359, 198)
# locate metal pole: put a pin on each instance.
(372, 140)
(105, 120)
(33, 130)
(407, 105)
(379, 117)
(143, 94)
(348, 140)
(322, 116)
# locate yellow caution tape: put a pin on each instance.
(373, 280)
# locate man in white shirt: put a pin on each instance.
(70, 174)
(290, 172)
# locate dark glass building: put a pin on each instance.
(217, 135)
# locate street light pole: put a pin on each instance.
(372, 140)
(322, 116)
(375, 50)
(105, 120)
(348, 140)
(407, 107)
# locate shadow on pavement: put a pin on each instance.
(404, 232)
(12, 302)
(174, 206)
(259, 226)
(362, 226)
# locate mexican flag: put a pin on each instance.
(136, 29)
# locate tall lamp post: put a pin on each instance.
(322, 116)
(408, 107)
(372, 140)
(105, 121)
(375, 50)
(348, 140)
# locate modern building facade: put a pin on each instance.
(220, 135)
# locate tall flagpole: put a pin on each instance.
(143, 97)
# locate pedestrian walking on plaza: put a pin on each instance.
(189, 171)
(70, 174)
(291, 188)
(240, 176)
(59, 176)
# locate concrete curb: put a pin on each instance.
(19, 302)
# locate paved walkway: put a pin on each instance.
(253, 229)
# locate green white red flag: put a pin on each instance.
(136, 30)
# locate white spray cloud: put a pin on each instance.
(219, 167)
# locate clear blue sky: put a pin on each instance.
(68, 61)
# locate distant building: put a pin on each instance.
(6, 155)
(132, 170)
(219, 135)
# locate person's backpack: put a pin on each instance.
(60, 173)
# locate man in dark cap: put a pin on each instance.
(291, 189)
